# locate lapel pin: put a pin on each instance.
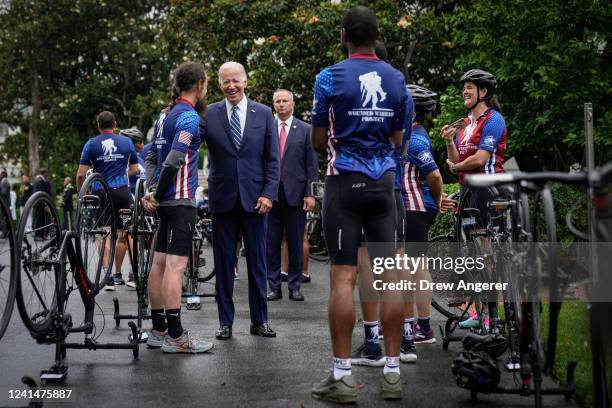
(295, 127)
(253, 110)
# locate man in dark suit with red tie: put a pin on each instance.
(243, 152)
(299, 168)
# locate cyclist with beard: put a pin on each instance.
(172, 174)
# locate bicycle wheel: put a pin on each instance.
(38, 245)
(544, 232)
(444, 301)
(143, 233)
(316, 240)
(96, 228)
(206, 270)
(9, 272)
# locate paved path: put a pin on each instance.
(246, 371)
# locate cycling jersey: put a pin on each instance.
(362, 100)
(419, 163)
(110, 154)
(397, 152)
(141, 173)
(487, 132)
(179, 130)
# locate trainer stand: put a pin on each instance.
(62, 326)
(567, 389)
(142, 301)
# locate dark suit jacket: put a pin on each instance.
(252, 171)
(300, 166)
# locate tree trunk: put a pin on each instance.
(34, 133)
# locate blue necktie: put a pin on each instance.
(235, 127)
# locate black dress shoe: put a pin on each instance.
(296, 295)
(264, 330)
(275, 294)
(224, 333)
(305, 278)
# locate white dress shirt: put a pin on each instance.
(287, 122)
(242, 112)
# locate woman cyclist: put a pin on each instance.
(477, 145)
(422, 193)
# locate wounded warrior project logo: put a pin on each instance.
(371, 94)
(108, 146)
(108, 151)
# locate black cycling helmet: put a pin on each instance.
(482, 79)
(494, 345)
(475, 371)
(133, 133)
(424, 99)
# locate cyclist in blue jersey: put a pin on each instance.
(137, 138)
(361, 101)
(422, 193)
(114, 157)
(369, 353)
(172, 176)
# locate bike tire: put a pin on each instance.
(36, 287)
(440, 299)
(95, 216)
(9, 274)
(143, 238)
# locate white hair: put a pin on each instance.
(230, 65)
(282, 90)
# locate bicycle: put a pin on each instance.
(55, 263)
(534, 361)
(9, 269)
(196, 271)
(314, 226)
(141, 226)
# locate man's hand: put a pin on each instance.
(149, 202)
(452, 166)
(264, 205)
(446, 204)
(309, 203)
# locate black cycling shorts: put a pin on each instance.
(176, 228)
(400, 217)
(478, 199)
(418, 224)
(121, 198)
(353, 201)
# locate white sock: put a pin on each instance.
(391, 365)
(408, 326)
(342, 367)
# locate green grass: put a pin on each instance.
(573, 343)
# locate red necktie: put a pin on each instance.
(283, 139)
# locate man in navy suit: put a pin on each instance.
(299, 168)
(244, 156)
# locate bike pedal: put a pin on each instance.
(143, 337)
(55, 374)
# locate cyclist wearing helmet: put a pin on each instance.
(480, 142)
(422, 192)
(138, 139)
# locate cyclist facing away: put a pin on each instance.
(361, 101)
(172, 176)
(422, 193)
(114, 157)
(477, 145)
(369, 353)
